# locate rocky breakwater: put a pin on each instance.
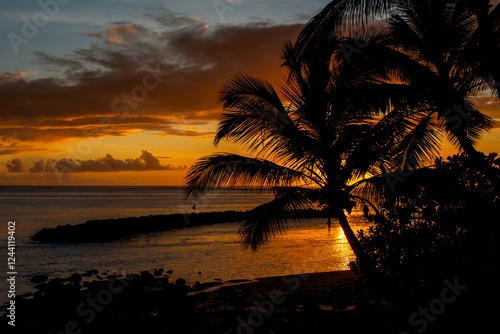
(114, 229)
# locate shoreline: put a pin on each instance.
(307, 280)
(150, 296)
(296, 303)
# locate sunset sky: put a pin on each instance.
(128, 88)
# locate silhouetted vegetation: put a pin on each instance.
(342, 125)
(441, 223)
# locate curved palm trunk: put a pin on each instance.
(467, 146)
(349, 234)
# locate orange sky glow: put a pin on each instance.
(136, 105)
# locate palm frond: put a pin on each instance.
(341, 15)
(226, 169)
(420, 146)
(255, 116)
(466, 124)
(371, 188)
(253, 111)
(375, 147)
(274, 217)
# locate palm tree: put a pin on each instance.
(431, 47)
(342, 14)
(428, 47)
(316, 144)
(488, 38)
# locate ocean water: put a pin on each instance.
(201, 253)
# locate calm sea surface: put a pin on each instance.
(215, 250)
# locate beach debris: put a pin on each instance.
(58, 280)
(180, 281)
(39, 279)
(158, 272)
(75, 278)
(146, 275)
(131, 277)
(89, 273)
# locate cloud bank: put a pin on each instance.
(146, 162)
(15, 166)
(137, 79)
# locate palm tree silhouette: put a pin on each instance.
(340, 14)
(317, 144)
(430, 47)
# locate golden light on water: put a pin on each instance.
(216, 252)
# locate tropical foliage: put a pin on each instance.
(431, 47)
(363, 98)
(440, 223)
(315, 142)
(350, 15)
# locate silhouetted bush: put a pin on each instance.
(442, 222)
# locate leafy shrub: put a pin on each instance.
(440, 223)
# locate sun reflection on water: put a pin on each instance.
(311, 246)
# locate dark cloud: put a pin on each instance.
(56, 129)
(43, 166)
(151, 79)
(15, 166)
(120, 23)
(146, 162)
(13, 148)
(49, 60)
